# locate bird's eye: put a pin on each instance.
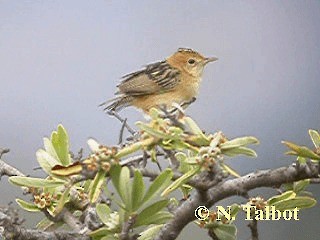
(191, 61)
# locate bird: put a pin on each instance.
(175, 80)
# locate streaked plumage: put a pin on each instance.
(162, 83)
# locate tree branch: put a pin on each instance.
(184, 214)
(13, 230)
(253, 225)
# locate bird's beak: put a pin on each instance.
(211, 59)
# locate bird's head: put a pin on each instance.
(190, 61)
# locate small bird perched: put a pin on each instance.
(174, 80)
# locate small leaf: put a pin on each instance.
(62, 201)
(99, 233)
(93, 145)
(45, 224)
(153, 132)
(154, 208)
(180, 181)
(35, 182)
(230, 170)
(46, 160)
(297, 202)
(73, 169)
(240, 150)
(234, 210)
(50, 148)
(193, 126)
(110, 237)
(150, 233)
(182, 158)
(30, 207)
(225, 231)
(284, 196)
(157, 186)
(186, 189)
(301, 151)
(125, 188)
(315, 137)
(115, 176)
(239, 142)
(60, 141)
(96, 185)
(103, 211)
(158, 218)
(138, 189)
(300, 185)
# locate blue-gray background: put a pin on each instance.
(60, 59)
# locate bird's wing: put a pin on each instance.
(156, 77)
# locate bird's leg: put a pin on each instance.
(186, 104)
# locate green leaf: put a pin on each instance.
(115, 176)
(315, 137)
(240, 150)
(62, 201)
(234, 210)
(93, 145)
(239, 142)
(103, 211)
(46, 160)
(35, 182)
(142, 218)
(195, 129)
(110, 237)
(27, 205)
(301, 151)
(50, 148)
(186, 189)
(150, 233)
(297, 202)
(138, 189)
(96, 186)
(152, 131)
(230, 170)
(157, 186)
(99, 233)
(182, 158)
(225, 231)
(158, 218)
(45, 223)
(284, 196)
(125, 188)
(60, 142)
(300, 185)
(180, 181)
(120, 177)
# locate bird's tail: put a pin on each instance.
(116, 104)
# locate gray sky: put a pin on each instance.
(60, 59)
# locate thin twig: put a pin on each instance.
(253, 225)
(117, 116)
(124, 235)
(122, 130)
(4, 151)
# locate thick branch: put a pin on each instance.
(7, 170)
(12, 230)
(239, 186)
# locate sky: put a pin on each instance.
(60, 59)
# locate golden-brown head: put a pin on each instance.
(190, 61)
